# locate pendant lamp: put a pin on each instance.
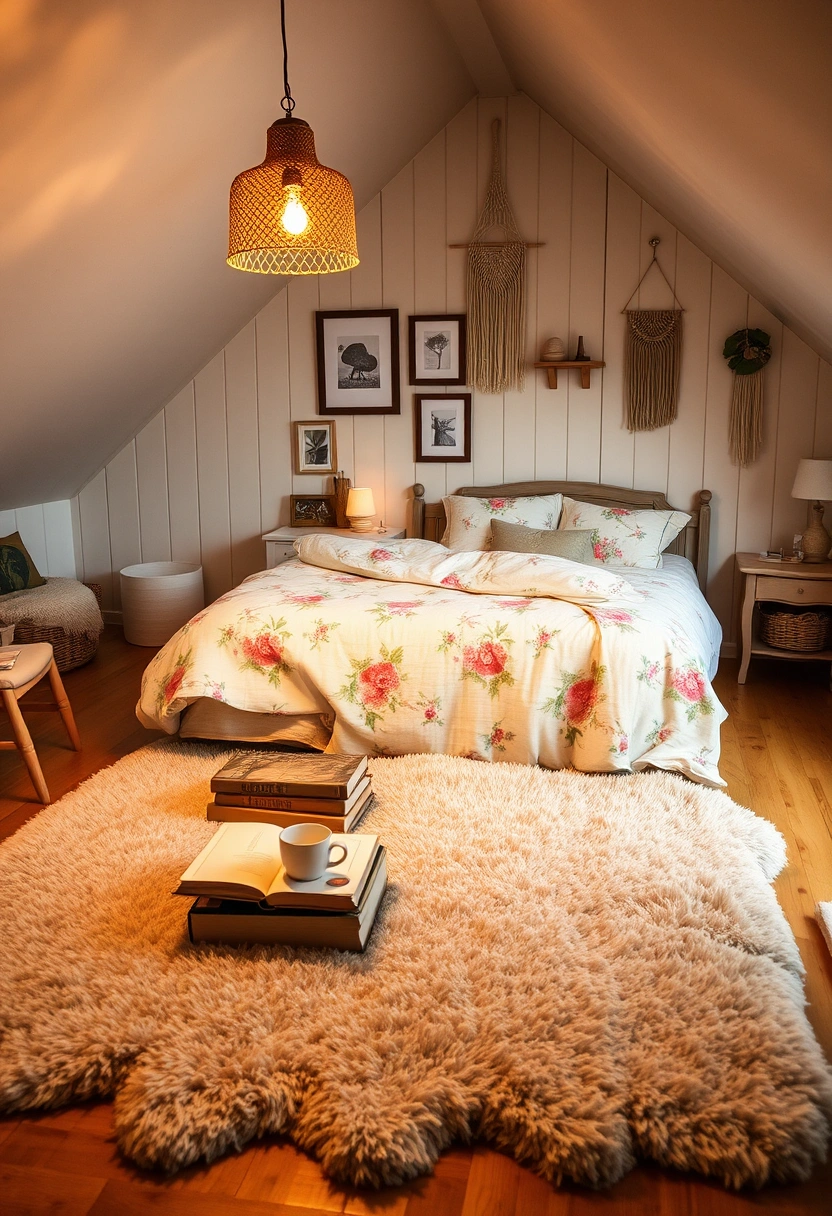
(291, 214)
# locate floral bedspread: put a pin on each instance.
(397, 659)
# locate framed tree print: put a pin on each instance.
(358, 361)
(436, 349)
(443, 427)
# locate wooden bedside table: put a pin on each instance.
(801, 583)
(280, 542)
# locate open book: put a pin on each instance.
(7, 659)
(242, 861)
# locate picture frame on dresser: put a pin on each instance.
(436, 345)
(443, 428)
(358, 361)
(312, 511)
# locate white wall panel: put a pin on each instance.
(152, 470)
(215, 468)
(123, 512)
(183, 488)
(60, 550)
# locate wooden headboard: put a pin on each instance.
(692, 541)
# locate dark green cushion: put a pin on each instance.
(517, 538)
(17, 570)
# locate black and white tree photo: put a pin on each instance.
(438, 349)
(358, 362)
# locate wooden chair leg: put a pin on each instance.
(64, 707)
(25, 745)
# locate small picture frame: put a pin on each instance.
(358, 361)
(443, 427)
(436, 349)
(315, 447)
(312, 511)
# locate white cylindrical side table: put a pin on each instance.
(157, 598)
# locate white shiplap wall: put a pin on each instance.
(46, 531)
(214, 469)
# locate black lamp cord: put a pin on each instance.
(288, 102)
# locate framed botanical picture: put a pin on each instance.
(315, 447)
(358, 361)
(443, 427)
(436, 346)
(312, 511)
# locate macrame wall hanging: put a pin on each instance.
(652, 356)
(747, 352)
(496, 291)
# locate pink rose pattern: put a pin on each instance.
(577, 702)
(375, 686)
(258, 644)
(171, 682)
(498, 738)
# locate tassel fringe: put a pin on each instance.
(745, 433)
(651, 367)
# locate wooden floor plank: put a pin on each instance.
(777, 759)
(25, 1191)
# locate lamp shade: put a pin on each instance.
(813, 480)
(360, 502)
(291, 214)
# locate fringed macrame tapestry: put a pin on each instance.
(747, 352)
(496, 292)
(652, 356)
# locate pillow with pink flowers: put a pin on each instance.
(621, 537)
(469, 519)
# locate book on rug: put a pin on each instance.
(237, 923)
(290, 773)
(336, 822)
(7, 659)
(293, 802)
(242, 861)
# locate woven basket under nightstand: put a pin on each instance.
(795, 630)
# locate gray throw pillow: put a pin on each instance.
(576, 545)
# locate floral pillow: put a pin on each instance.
(469, 519)
(624, 538)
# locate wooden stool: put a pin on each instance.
(32, 665)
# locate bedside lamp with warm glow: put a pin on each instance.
(814, 481)
(361, 509)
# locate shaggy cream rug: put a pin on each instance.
(581, 970)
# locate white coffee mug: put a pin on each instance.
(305, 851)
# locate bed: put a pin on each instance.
(389, 649)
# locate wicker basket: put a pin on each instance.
(794, 628)
(70, 649)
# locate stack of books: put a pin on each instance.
(283, 788)
(244, 895)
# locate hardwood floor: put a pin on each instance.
(777, 759)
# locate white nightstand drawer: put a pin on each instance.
(277, 553)
(794, 591)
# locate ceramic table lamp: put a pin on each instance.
(361, 509)
(814, 482)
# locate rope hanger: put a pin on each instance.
(654, 242)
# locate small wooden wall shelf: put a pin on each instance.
(586, 366)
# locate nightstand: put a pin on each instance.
(280, 542)
(808, 583)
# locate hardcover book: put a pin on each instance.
(292, 773)
(237, 923)
(288, 802)
(222, 812)
(242, 861)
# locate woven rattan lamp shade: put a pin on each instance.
(257, 237)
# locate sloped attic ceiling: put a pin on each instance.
(718, 112)
(122, 124)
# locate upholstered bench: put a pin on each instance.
(62, 612)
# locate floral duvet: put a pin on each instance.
(406, 647)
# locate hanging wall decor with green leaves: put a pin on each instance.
(747, 352)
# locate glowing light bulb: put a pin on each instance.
(294, 218)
